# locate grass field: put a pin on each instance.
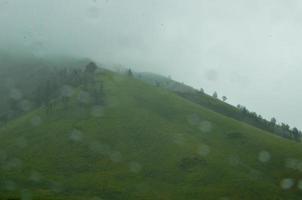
(144, 143)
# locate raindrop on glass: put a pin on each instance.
(15, 94)
(9, 185)
(97, 147)
(35, 176)
(75, 135)
(211, 75)
(292, 163)
(203, 150)
(264, 156)
(84, 97)
(205, 126)
(135, 167)
(300, 185)
(36, 121)
(25, 105)
(21, 142)
(26, 195)
(287, 183)
(12, 164)
(67, 91)
(234, 160)
(115, 156)
(97, 111)
(193, 119)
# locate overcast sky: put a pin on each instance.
(250, 51)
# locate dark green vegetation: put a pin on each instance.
(115, 137)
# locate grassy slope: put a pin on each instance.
(207, 101)
(147, 143)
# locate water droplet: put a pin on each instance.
(254, 174)
(193, 119)
(56, 186)
(15, 94)
(292, 163)
(9, 185)
(97, 147)
(287, 183)
(115, 156)
(234, 160)
(135, 167)
(75, 135)
(211, 75)
(203, 150)
(21, 142)
(9, 83)
(36, 121)
(26, 195)
(35, 176)
(179, 139)
(205, 126)
(84, 97)
(25, 105)
(264, 156)
(97, 111)
(299, 166)
(67, 91)
(300, 185)
(12, 164)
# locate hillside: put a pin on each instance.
(240, 113)
(142, 142)
(164, 82)
(21, 73)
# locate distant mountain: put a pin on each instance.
(106, 135)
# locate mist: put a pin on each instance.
(246, 50)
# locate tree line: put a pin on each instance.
(281, 129)
(241, 113)
(57, 86)
(253, 118)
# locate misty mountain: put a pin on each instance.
(99, 134)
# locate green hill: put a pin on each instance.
(240, 113)
(164, 82)
(142, 142)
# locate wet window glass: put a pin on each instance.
(150, 99)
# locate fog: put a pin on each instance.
(246, 50)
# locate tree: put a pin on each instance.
(296, 134)
(224, 98)
(215, 95)
(285, 126)
(97, 94)
(201, 90)
(285, 130)
(91, 68)
(129, 72)
(273, 121)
